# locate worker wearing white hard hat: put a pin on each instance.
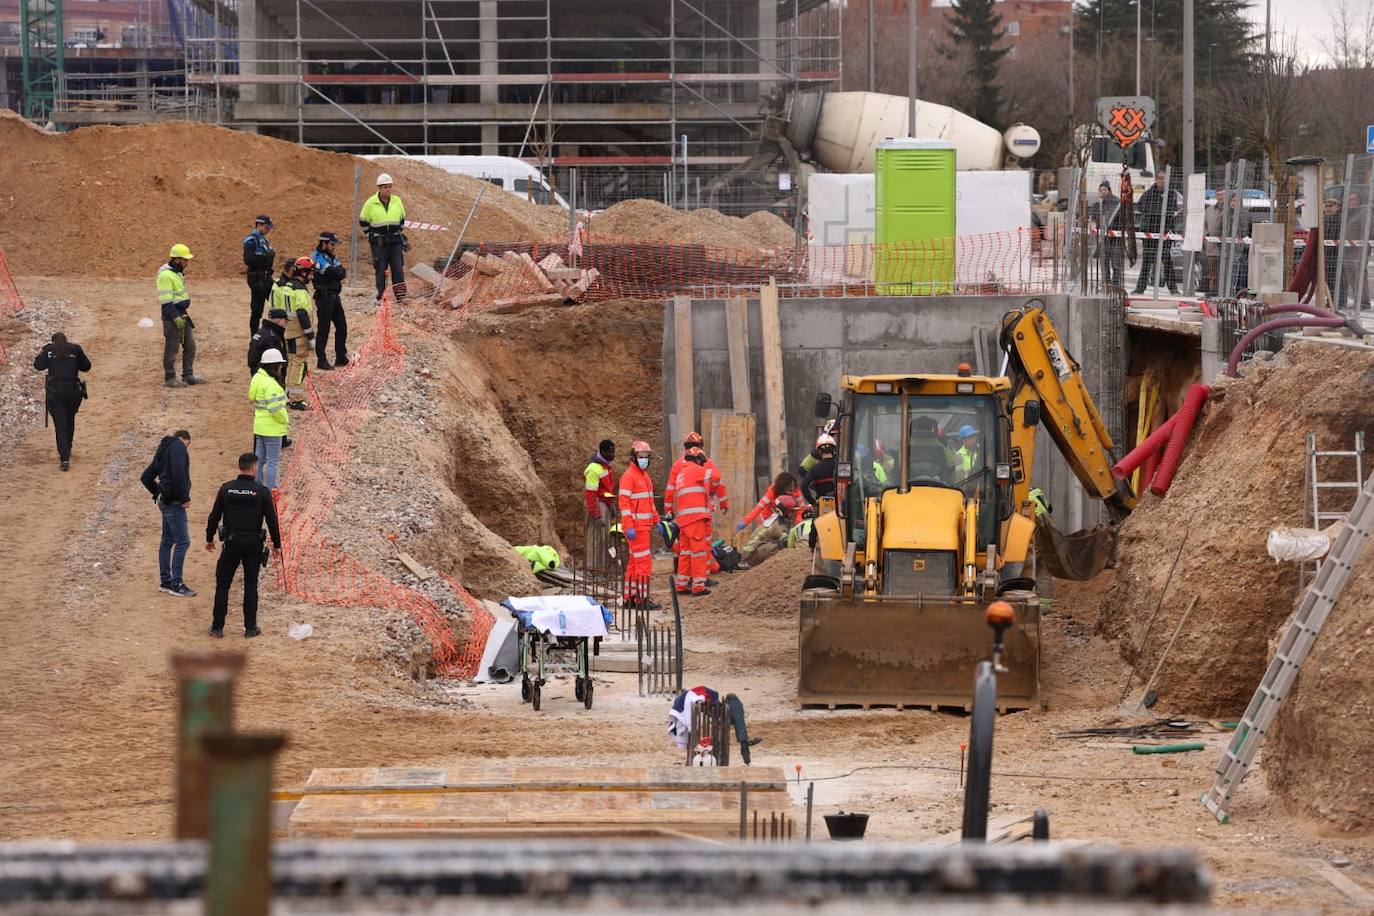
(270, 418)
(383, 217)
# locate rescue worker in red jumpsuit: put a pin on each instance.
(719, 499)
(693, 487)
(638, 516)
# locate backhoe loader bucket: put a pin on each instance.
(1078, 556)
(916, 652)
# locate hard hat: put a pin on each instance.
(180, 251)
(264, 219)
(879, 450)
(705, 743)
(328, 237)
(966, 431)
(640, 446)
(693, 438)
(270, 356)
(965, 370)
(787, 502)
(305, 263)
(825, 439)
(384, 178)
(694, 453)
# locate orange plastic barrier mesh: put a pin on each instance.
(10, 300)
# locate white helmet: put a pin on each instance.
(825, 439)
(271, 356)
(384, 178)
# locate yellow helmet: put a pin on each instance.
(180, 251)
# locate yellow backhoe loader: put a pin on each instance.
(933, 518)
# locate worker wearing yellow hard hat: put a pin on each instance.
(177, 326)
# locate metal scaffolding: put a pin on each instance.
(40, 23)
(548, 82)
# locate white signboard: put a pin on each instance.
(1194, 206)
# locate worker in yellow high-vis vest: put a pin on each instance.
(383, 217)
(177, 326)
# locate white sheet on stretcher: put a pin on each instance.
(561, 615)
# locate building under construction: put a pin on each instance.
(654, 99)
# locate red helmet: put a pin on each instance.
(787, 502)
(305, 262)
(640, 446)
(693, 438)
(694, 453)
(879, 450)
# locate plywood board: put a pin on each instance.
(497, 776)
(772, 378)
(684, 388)
(737, 336)
(730, 443)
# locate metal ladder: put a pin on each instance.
(1315, 514)
(1293, 650)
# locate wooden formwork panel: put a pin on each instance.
(515, 778)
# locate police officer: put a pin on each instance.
(243, 504)
(258, 257)
(329, 277)
(383, 216)
(64, 389)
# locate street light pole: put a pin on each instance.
(1188, 91)
(911, 69)
(1138, 5)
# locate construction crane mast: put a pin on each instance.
(41, 27)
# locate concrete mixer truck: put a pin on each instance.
(838, 131)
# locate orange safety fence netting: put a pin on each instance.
(10, 300)
(1016, 261)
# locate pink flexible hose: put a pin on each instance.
(1334, 321)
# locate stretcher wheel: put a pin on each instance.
(587, 694)
(578, 689)
(534, 697)
(525, 689)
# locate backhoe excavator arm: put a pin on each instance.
(1041, 369)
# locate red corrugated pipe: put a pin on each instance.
(1173, 453)
(1147, 470)
(1149, 446)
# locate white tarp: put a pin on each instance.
(560, 615)
(1194, 207)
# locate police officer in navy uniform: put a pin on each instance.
(258, 257)
(329, 277)
(244, 505)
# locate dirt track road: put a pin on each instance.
(88, 702)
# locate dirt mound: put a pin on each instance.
(1318, 758)
(562, 379)
(649, 219)
(1243, 475)
(113, 199)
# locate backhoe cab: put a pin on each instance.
(933, 519)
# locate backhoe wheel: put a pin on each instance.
(534, 697)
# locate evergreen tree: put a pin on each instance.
(1223, 35)
(975, 27)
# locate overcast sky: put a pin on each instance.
(1309, 21)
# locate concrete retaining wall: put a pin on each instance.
(823, 339)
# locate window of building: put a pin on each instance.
(1013, 28)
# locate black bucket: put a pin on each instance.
(846, 826)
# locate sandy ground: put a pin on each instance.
(85, 637)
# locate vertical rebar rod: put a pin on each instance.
(743, 810)
(1339, 292)
(239, 876)
(205, 690)
(810, 804)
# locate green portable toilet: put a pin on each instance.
(914, 220)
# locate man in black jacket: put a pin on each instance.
(63, 389)
(819, 482)
(244, 505)
(270, 336)
(168, 478)
(1158, 208)
(257, 258)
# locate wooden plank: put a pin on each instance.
(684, 381)
(730, 443)
(544, 778)
(1357, 893)
(772, 378)
(737, 335)
(999, 829)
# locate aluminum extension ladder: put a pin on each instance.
(1293, 650)
(1316, 515)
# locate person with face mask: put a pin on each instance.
(270, 418)
(638, 516)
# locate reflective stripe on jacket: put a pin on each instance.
(670, 489)
(636, 498)
(377, 215)
(172, 298)
(269, 405)
(693, 487)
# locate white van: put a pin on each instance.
(1105, 157)
(506, 172)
